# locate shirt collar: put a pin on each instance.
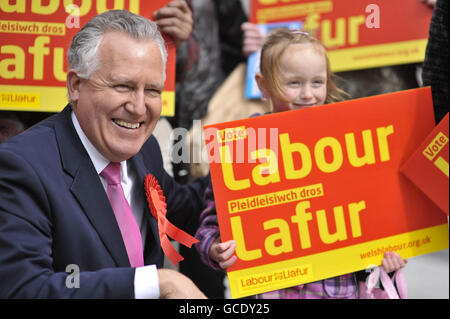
(99, 161)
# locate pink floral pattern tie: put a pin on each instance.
(127, 223)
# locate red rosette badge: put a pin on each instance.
(158, 207)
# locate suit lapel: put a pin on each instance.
(88, 190)
(138, 163)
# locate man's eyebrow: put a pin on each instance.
(120, 79)
(158, 86)
(125, 80)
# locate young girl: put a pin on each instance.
(295, 73)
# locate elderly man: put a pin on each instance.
(72, 187)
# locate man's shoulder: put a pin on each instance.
(151, 153)
(35, 139)
(151, 147)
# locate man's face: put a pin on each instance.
(119, 106)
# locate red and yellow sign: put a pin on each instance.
(315, 193)
(428, 166)
(34, 39)
(359, 34)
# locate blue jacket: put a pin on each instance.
(54, 212)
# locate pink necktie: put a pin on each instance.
(127, 223)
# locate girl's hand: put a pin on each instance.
(392, 262)
(222, 253)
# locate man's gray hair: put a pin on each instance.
(82, 54)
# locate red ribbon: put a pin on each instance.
(158, 207)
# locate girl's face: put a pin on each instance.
(302, 77)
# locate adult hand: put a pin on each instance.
(174, 285)
(222, 253)
(175, 20)
(253, 38)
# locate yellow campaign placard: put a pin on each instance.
(18, 100)
(34, 40)
(288, 11)
(436, 145)
(315, 193)
(32, 27)
(377, 55)
(428, 167)
(276, 198)
(54, 99)
(357, 34)
(302, 270)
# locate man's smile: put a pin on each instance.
(128, 125)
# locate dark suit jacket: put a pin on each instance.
(54, 212)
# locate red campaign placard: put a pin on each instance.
(301, 190)
(428, 166)
(35, 37)
(358, 34)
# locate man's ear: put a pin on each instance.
(262, 86)
(73, 85)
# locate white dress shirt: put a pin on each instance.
(146, 284)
